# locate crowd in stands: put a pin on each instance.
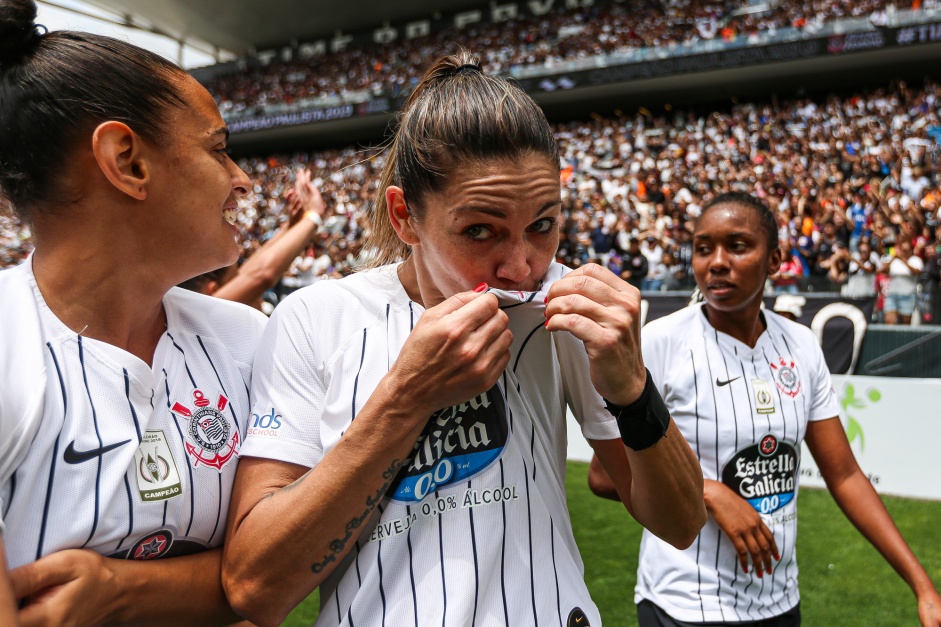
(561, 35)
(854, 179)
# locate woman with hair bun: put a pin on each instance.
(123, 400)
(746, 386)
(407, 449)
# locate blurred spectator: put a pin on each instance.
(788, 276)
(903, 269)
(634, 267)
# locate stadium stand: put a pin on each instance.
(844, 172)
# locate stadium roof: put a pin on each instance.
(241, 26)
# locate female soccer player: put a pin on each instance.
(123, 400)
(745, 387)
(407, 449)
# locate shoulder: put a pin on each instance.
(799, 338)
(669, 326)
(353, 296)
(329, 311)
(237, 326)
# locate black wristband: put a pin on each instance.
(643, 422)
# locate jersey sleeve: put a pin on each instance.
(824, 400)
(596, 421)
(287, 389)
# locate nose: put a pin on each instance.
(719, 261)
(240, 181)
(514, 266)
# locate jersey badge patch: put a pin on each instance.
(155, 469)
(764, 396)
(764, 474)
(458, 443)
(152, 546)
(213, 442)
(785, 376)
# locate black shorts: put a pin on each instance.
(650, 615)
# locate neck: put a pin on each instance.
(746, 325)
(99, 288)
(418, 284)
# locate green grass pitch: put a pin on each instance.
(843, 580)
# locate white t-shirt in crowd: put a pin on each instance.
(902, 280)
(475, 528)
(744, 411)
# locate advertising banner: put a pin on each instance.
(893, 426)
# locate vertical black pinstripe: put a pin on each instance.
(801, 427)
(729, 385)
(362, 357)
(55, 456)
(185, 365)
(94, 417)
(130, 512)
(506, 611)
(754, 436)
(555, 570)
(692, 360)
(733, 556)
(127, 485)
(473, 535)
(6, 506)
(359, 577)
(127, 393)
(715, 408)
(529, 523)
(444, 583)
(783, 548)
(519, 355)
(221, 385)
(189, 466)
(382, 592)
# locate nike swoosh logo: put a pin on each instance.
(721, 383)
(71, 456)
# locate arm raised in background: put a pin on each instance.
(267, 265)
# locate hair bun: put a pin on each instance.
(17, 29)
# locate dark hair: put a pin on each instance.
(55, 88)
(456, 114)
(769, 223)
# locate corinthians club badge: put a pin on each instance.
(212, 441)
(785, 375)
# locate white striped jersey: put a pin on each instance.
(744, 411)
(474, 530)
(130, 460)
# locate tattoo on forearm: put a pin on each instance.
(338, 545)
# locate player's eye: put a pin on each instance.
(478, 232)
(544, 225)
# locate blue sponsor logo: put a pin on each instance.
(458, 443)
(266, 421)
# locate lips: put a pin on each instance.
(720, 287)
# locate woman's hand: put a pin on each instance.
(457, 350)
(742, 524)
(72, 587)
(602, 311)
